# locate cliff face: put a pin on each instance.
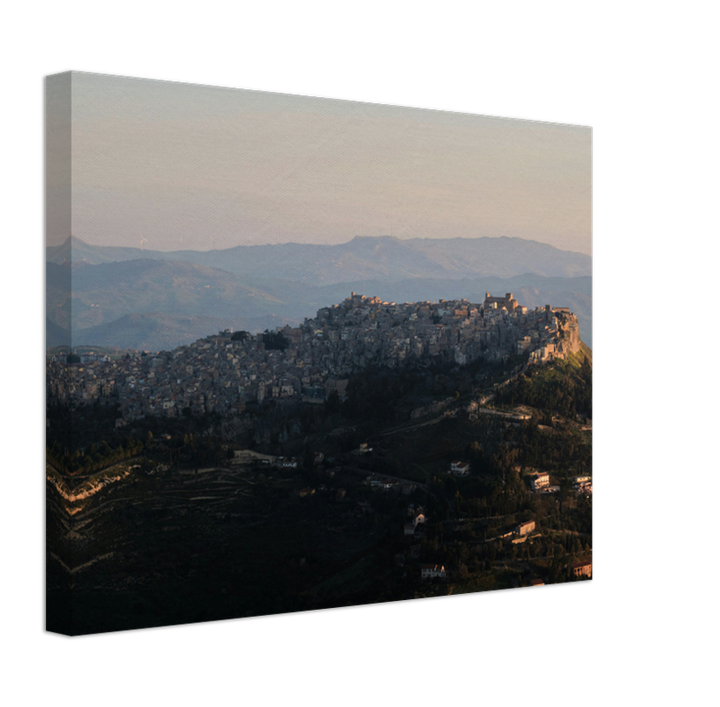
(560, 339)
(569, 332)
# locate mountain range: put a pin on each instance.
(152, 300)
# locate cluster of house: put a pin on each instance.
(432, 572)
(458, 468)
(578, 569)
(380, 483)
(222, 373)
(583, 485)
(540, 483)
(520, 533)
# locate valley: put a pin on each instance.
(152, 300)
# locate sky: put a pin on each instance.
(168, 166)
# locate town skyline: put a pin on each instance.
(310, 360)
(171, 166)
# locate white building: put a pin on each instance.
(525, 528)
(460, 468)
(540, 481)
(432, 571)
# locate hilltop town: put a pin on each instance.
(378, 451)
(223, 372)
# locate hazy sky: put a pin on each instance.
(187, 166)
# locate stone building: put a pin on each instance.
(508, 302)
(539, 481)
(525, 528)
(581, 569)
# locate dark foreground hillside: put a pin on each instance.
(178, 527)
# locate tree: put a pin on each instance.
(274, 340)
(240, 336)
(332, 404)
(308, 459)
(586, 370)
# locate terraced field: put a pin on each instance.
(175, 547)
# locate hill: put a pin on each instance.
(362, 258)
(291, 281)
(340, 529)
(155, 304)
(153, 331)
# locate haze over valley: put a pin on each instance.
(155, 300)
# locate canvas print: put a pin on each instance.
(305, 353)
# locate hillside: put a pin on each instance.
(563, 388)
(151, 305)
(339, 528)
(153, 331)
(56, 335)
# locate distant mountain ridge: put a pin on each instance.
(129, 297)
(362, 258)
